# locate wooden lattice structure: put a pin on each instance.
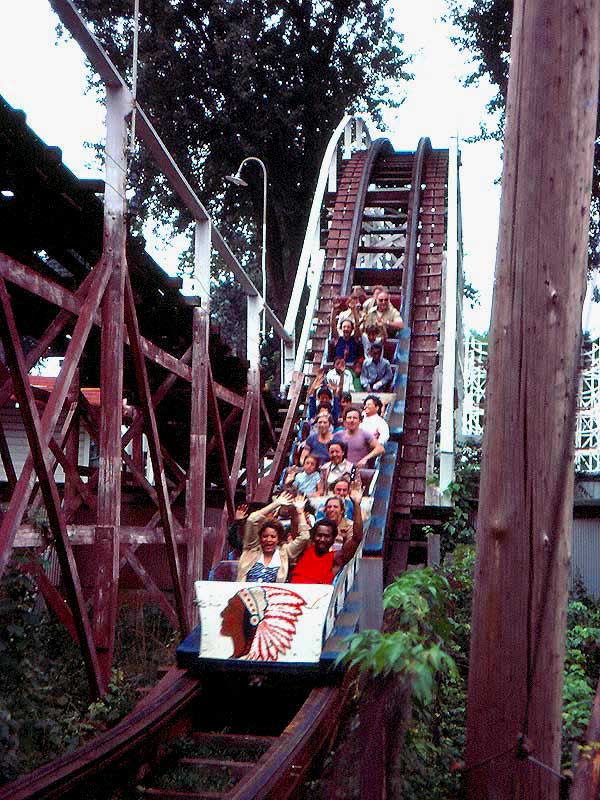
(83, 288)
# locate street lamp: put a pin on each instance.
(237, 180)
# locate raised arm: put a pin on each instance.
(351, 545)
(333, 320)
(256, 519)
(355, 317)
(296, 547)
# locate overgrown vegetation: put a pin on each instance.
(44, 703)
(426, 640)
(417, 628)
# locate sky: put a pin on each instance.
(48, 81)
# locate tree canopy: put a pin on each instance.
(485, 31)
(223, 81)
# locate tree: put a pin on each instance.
(485, 27)
(251, 77)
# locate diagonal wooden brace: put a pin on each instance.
(37, 444)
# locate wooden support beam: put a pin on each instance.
(28, 536)
(36, 498)
(196, 488)
(108, 517)
(73, 483)
(20, 496)
(36, 440)
(213, 409)
(526, 492)
(128, 556)
(267, 420)
(265, 487)
(241, 444)
(26, 278)
(156, 456)
(7, 463)
(53, 598)
(173, 495)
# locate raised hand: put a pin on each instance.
(299, 502)
(356, 493)
(284, 499)
(241, 512)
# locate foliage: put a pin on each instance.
(471, 294)
(44, 702)
(485, 32)
(435, 738)
(223, 81)
(42, 683)
(413, 644)
(582, 669)
(464, 491)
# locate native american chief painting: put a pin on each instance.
(261, 621)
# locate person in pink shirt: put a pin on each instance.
(361, 445)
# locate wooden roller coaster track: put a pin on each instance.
(376, 199)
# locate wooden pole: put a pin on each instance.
(196, 490)
(525, 512)
(111, 381)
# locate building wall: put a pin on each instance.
(585, 558)
(19, 448)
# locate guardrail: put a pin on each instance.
(351, 134)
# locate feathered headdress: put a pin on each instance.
(273, 611)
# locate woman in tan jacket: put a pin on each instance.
(267, 556)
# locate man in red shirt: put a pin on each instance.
(320, 564)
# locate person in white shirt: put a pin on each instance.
(334, 374)
(372, 421)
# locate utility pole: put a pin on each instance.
(526, 495)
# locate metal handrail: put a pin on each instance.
(312, 255)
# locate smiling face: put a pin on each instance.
(347, 328)
(269, 539)
(370, 407)
(323, 538)
(334, 509)
(383, 301)
(342, 488)
(336, 453)
(339, 365)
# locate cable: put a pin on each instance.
(134, 77)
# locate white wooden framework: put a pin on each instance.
(587, 425)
